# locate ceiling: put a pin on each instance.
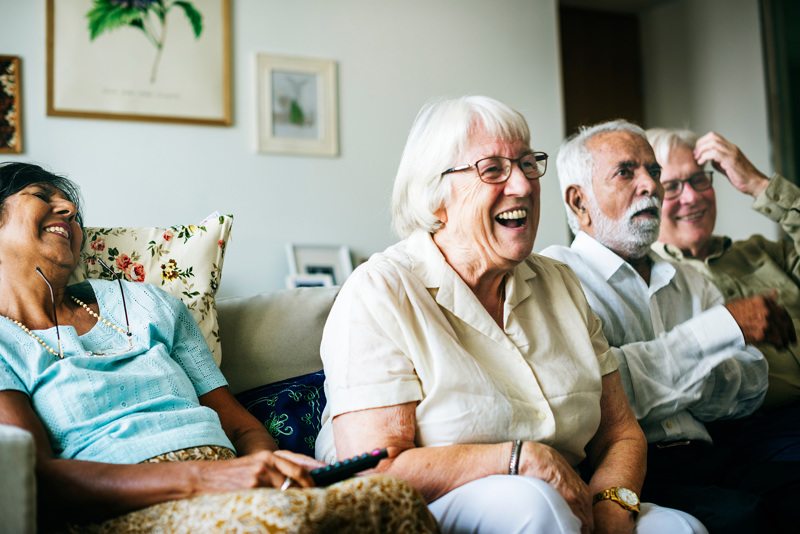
(618, 6)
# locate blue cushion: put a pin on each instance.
(290, 409)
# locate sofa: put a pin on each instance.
(267, 344)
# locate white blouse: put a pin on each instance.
(405, 327)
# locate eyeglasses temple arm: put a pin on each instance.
(55, 315)
(124, 306)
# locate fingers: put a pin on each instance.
(300, 459)
(726, 158)
(287, 468)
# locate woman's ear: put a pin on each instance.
(576, 200)
(441, 214)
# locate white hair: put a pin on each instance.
(441, 132)
(575, 163)
(664, 140)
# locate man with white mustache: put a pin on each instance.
(684, 355)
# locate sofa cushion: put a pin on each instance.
(184, 260)
(272, 336)
(290, 409)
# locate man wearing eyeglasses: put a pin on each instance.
(684, 357)
(754, 266)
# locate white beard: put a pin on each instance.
(626, 235)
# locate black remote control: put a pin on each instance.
(325, 476)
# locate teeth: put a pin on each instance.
(515, 214)
(691, 216)
(56, 230)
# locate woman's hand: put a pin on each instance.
(612, 518)
(300, 459)
(258, 470)
(543, 462)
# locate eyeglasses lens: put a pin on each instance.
(699, 182)
(496, 170)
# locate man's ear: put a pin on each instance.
(576, 200)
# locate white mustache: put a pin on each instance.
(643, 203)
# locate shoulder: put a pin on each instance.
(560, 253)
(549, 266)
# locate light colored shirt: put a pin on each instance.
(682, 356)
(755, 266)
(122, 408)
(406, 328)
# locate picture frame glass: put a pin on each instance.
(295, 106)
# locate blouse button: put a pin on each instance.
(541, 415)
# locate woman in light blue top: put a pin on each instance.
(115, 381)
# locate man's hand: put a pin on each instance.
(729, 160)
(763, 320)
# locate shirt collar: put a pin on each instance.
(717, 245)
(430, 267)
(607, 263)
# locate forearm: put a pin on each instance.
(671, 373)
(97, 491)
(435, 471)
(623, 463)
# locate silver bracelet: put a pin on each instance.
(516, 449)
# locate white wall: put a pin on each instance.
(704, 70)
(392, 57)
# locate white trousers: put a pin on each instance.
(520, 504)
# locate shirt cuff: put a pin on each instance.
(716, 329)
(780, 196)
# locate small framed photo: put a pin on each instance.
(297, 106)
(308, 280)
(10, 106)
(333, 261)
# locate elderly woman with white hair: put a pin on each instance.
(479, 366)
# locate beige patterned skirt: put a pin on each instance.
(374, 504)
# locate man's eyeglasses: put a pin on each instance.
(699, 182)
(497, 169)
(107, 352)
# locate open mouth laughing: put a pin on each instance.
(58, 230)
(513, 219)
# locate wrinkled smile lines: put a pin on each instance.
(58, 230)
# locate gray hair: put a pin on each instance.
(441, 132)
(664, 140)
(575, 163)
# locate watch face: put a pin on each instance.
(627, 496)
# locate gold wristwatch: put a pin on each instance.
(622, 496)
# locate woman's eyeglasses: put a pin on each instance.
(497, 169)
(127, 332)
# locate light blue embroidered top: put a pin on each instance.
(122, 408)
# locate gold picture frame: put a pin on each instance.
(10, 105)
(108, 60)
(297, 106)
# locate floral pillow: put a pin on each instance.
(185, 261)
(290, 409)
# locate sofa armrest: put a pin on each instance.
(18, 481)
(272, 336)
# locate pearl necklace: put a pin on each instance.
(48, 347)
